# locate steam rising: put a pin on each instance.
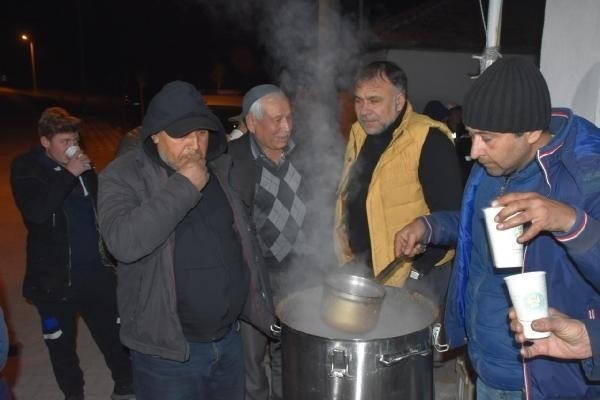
(314, 52)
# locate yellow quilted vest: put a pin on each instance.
(395, 195)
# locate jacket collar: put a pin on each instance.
(257, 151)
(550, 154)
(39, 154)
(401, 121)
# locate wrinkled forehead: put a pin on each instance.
(276, 103)
(276, 98)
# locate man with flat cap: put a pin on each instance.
(189, 264)
(267, 173)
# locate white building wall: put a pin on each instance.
(435, 75)
(570, 55)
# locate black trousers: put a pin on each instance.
(92, 296)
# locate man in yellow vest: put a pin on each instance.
(398, 165)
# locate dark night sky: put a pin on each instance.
(120, 40)
(107, 44)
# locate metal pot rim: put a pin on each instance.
(284, 325)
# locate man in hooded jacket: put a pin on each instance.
(189, 264)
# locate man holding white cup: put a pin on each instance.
(540, 168)
(69, 273)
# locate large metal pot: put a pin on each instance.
(392, 361)
(351, 303)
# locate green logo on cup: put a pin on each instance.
(519, 230)
(534, 301)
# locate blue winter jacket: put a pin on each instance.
(591, 366)
(568, 170)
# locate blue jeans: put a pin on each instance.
(484, 392)
(215, 370)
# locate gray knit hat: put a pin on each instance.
(510, 96)
(256, 93)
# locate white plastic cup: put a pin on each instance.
(530, 299)
(506, 251)
(71, 151)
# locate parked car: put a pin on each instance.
(225, 106)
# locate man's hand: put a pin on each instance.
(542, 214)
(194, 168)
(569, 338)
(79, 163)
(409, 240)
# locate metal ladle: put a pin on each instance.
(352, 303)
(389, 269)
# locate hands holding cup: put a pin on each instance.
(529, 297)
(78, 162)
(538, 212)
(568, 338)
(507, 252)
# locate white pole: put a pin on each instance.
(492, 43)
(494, 23)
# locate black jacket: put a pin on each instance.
(40, 187)
(243, 172)
(140, 207)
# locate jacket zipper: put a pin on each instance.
(504, 186)
(68, 247)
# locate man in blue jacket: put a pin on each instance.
(542, 164)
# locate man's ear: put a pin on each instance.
(533, 136)
(44, 142)
(155, 138)
(250, 122)
(400, 101)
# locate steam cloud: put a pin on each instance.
(314, 52)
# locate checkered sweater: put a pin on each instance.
(278, 207)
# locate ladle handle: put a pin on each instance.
(389, 269)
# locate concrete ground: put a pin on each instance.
(29, 374)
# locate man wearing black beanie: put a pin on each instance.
(541, 165)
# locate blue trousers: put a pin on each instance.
(214, 371)
(485, 392)
(4, 390)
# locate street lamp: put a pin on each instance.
(27, 38)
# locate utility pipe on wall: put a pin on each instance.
(492, 43)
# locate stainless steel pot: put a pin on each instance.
(393, 361)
